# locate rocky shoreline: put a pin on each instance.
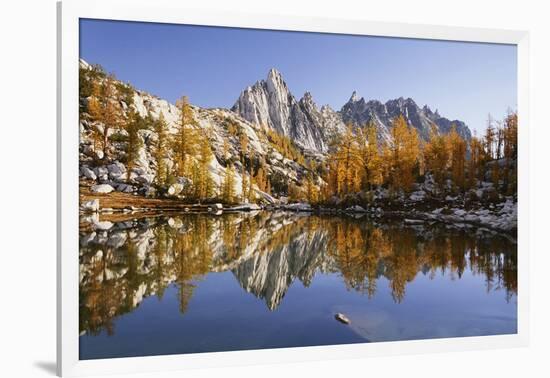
(500, 217)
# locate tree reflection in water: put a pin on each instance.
(266, 252)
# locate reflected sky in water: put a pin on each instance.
(202, 283)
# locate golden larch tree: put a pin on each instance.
(228, 185)
(476, 161)
(348, 163)
(367, 140)
(402, 155)
(185, 140)
(510, 151)
(457, 147)
(160, 150)
(204, 185)
(105, 109)
(436, 158)
(132, 125)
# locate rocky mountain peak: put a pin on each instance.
(274, 75)
(359, 113)
(269, 102)
(276, 84)
(307, 100)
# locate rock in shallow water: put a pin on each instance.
(91, 206)
(342, 318)
(301, 206)
(102, 225)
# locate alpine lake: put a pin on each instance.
(192, 283)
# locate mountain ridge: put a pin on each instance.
(269, 102)
(265, 111)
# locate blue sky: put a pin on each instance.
(212, 65)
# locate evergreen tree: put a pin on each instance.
(475, 163)
(225, 149)
(244, 185)
(490, 135)
(133, 124)
(204, 185)
(436, 157)
(251, 192)
(104, 109)
(251, 182)
(294, 193)
(367, 139)
(312, 192)
(260, 178)
(348, 159)
(160, 151)
(402, 155)
(243, 143)
(510, 148)
(491, 153)
(185, 139)
(510, 145)
(228, 185)
(457, 147)
(499, 142)
(194, 172)
(331, 179)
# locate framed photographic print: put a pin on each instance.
(239, 188)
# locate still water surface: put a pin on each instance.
(204, 283)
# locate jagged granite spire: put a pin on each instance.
(354, 97)
(270, 103)
(360, 112)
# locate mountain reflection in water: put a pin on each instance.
(267, 253)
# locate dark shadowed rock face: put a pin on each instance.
(270, 103)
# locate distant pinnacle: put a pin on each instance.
(273, 73)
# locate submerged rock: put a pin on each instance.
(342, 318)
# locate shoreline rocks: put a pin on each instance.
(91, 206)
(102, 188)
(299, 206)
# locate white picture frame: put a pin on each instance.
(163, 11)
